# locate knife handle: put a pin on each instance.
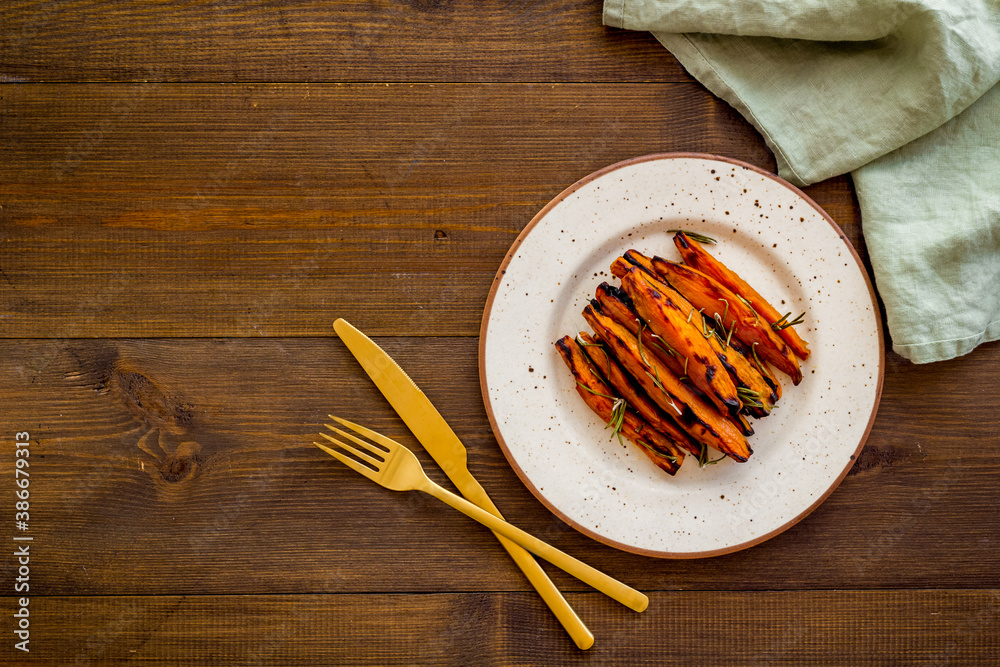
(551, 596)
(580, 633)
(611, 587)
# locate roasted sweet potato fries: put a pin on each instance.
(680, 355)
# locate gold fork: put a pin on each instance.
(395, 467)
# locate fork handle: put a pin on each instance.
(611, 587)
(474, 492)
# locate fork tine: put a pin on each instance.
(379, 451)
(367, 432)
(361, 454)
(349, 462)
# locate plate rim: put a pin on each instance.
(488, 309)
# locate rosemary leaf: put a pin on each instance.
(662, 344)
(749, 397)
(595, 393)
(659, 385)
(700, 238)
(748, 304)
(642, 355)
(617, 419)
(703, 459)
(705, 331)
(725, 312)
(783, 323)
(656, 452)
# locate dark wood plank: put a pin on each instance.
(286, 40)
(679, 628)
(195, 210)
(191, 192)
(188, 465)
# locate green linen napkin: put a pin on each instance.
(904, 96)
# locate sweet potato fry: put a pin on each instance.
(715, 300)
(636, 258)
(632, 259)
(617, 305)
(745, 375)
(671, 322)
(699, 258)
(761, 366)
(625, 386)
(619, 267)
(696, 416)
(601, 399)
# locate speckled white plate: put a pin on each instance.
(773, 236)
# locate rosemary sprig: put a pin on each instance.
(749, 397)
(783, 323)
(656, 379)
(617, 419)
(725, 313)
(607, 357)
(703, 459)
(719, 325)
(700, 238)
(720, 322)
(642, 355)
(669, 457)
(705, 331)
(685, 375)
(748, 304)
(659, 385)
(596, 393)
(662, 344)
(617, 412)
(701, 311)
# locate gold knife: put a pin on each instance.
(433, 432)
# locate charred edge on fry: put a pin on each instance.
(577, 360)
(744, 350)
(611, 300)
(732, 405)
(618, 293)
(636, 260)
(743, 424)
(687, 416)
(739, 348)
(680, 438)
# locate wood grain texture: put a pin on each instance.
(679, 628)
(353, 40)
(191, 192)
(188, 464)
(197, 210)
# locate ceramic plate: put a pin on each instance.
(776, 238)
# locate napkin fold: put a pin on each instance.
(901, 94)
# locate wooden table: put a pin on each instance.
(190, 193)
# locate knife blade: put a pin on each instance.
(440, 441)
